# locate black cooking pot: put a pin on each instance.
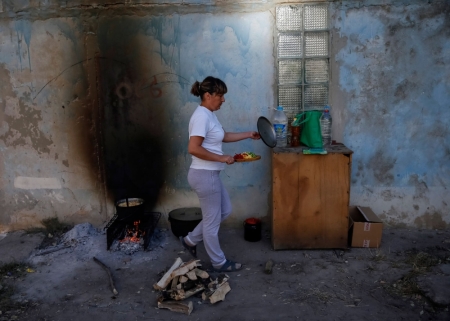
(184, 220)
(128, 208)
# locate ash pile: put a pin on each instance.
(127, 246)
(186, 279)
(84, 241)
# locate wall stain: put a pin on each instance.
(403, 88)
(421, 187)
(387, 195)
(382, 166)
(436, 10)
(395, 218)
(22, 119)
(18, 201)
(431, 220)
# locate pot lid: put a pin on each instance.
(267, 132)
(186, 214)
(252, 221)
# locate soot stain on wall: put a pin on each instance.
(133, 155)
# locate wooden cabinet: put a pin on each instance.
(310, 198)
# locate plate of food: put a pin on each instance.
(246, 157)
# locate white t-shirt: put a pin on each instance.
(204, 123)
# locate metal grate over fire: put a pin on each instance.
(132, 226)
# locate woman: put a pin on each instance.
(205, 145)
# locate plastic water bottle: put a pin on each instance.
(280, 124)
(325, 126)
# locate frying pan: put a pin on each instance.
(267, 132)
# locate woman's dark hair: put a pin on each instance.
(209, 85)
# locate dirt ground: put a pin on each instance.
(408, 278)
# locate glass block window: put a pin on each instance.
(316, 44)
(290, 71)
(302, 57)
(290, 97)
(290, 45)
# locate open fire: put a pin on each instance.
(133, 234)
(130, 234)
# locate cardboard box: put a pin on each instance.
(365, 227)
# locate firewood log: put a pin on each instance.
(174, 283)
(219, 294)
(181, 307)
(201, 274)
(165, 280)
(191, 275)
(184, 268)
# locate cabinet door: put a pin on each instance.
(310, 200)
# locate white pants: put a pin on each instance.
(216, 206)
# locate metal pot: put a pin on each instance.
(184, 220)
(130, 207)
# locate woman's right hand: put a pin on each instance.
(227, 159)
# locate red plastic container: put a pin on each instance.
(252, 229)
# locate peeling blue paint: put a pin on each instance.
(398, 117)
(23, 30)
(69, 32)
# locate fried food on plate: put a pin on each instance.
(245, 155)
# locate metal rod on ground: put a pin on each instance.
(111, 281)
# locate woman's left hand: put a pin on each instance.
(255, 135)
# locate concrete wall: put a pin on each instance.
(95, 104)
(392, 106)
